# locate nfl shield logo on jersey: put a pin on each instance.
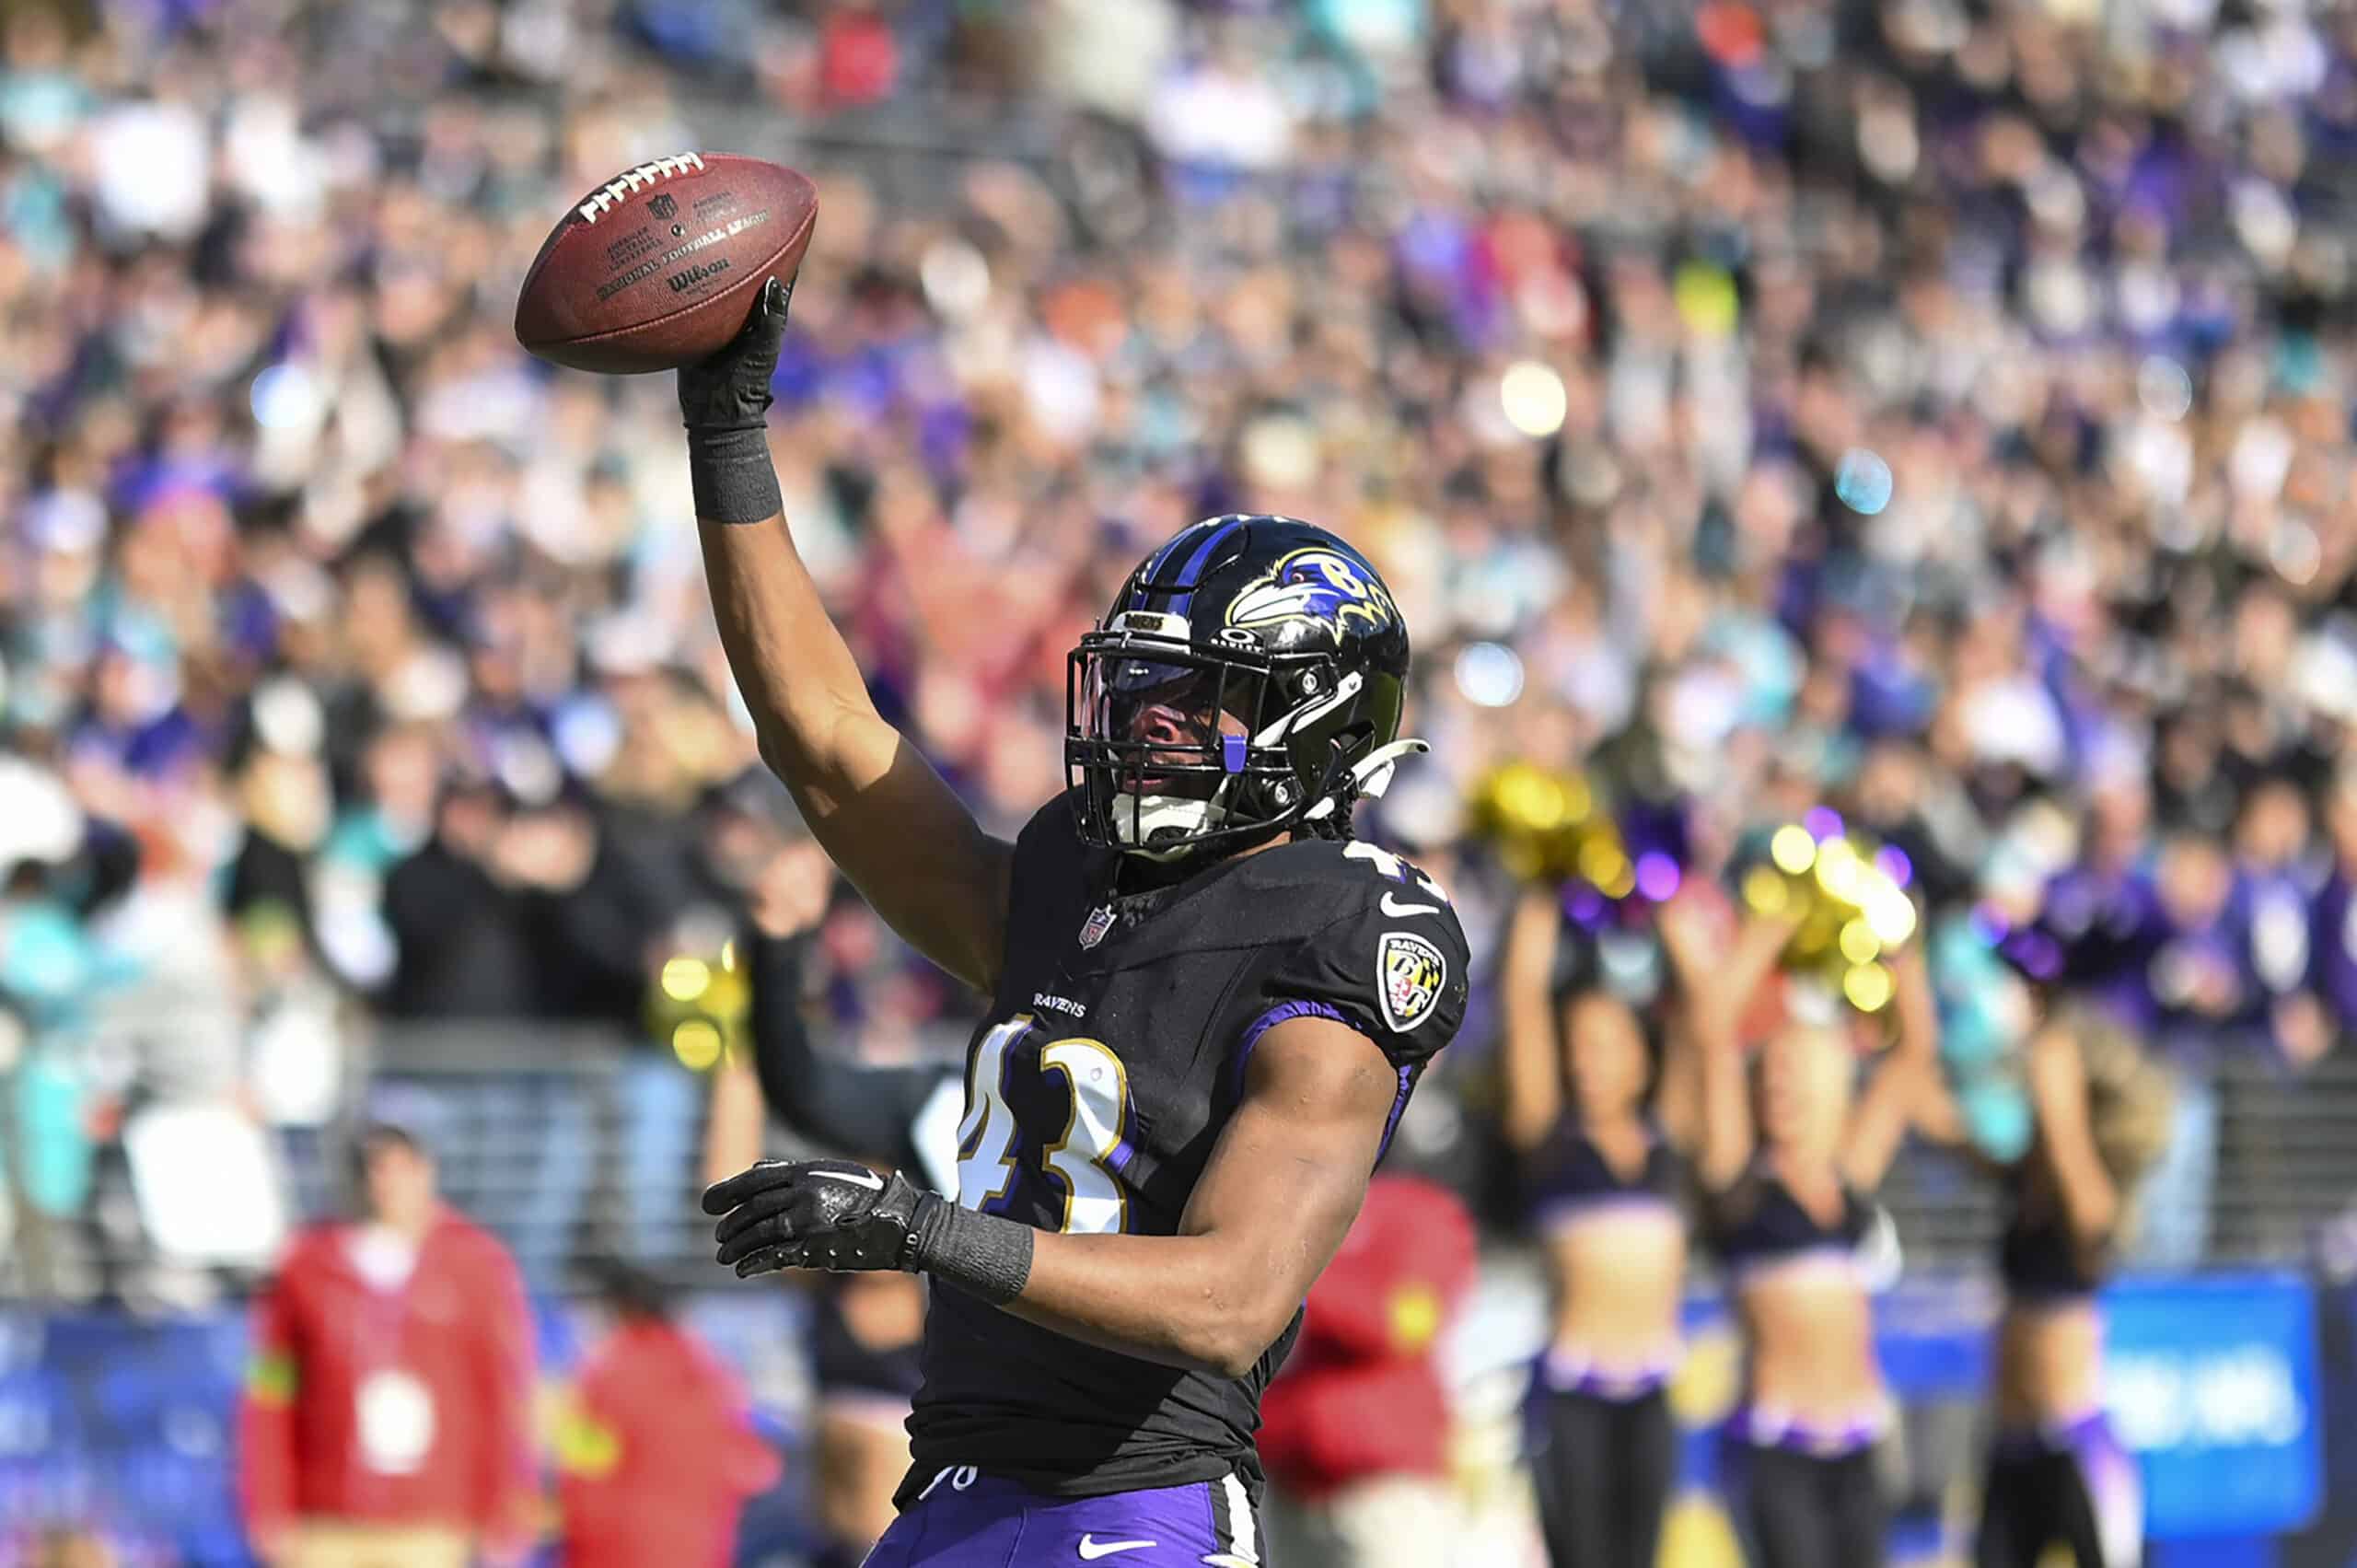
(1100, 920)
(1414, 973)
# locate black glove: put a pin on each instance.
(842, 1215)
(730, 390)
(816, 1215)
(725, 400)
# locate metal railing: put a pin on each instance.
(571, 1144)
(575, 1145)
(2286, 1167)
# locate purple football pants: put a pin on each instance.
(966, 1519)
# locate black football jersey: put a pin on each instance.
(1096, 1089)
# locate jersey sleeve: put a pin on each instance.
(1397, 974)
(266, 1414)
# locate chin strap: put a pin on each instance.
(1369, 777)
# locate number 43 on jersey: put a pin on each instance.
(1082, 1160)
(1086, 1158)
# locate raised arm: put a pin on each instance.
(2058, 1088)
(1939, 1119)
(1713, 1011)
(1533, 1058)
(904, 840)
(1905, 1087)
(732, 1120)
(1694, 938)
(881, 1112)
(865, 1109)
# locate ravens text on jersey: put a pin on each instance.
(1113, 1053)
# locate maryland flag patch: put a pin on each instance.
(1414, 971)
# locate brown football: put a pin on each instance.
(658, 267)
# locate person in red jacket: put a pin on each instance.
(387, 1420)
(1355, 1430)
(656, 1451)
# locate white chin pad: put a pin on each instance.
(1138, 819)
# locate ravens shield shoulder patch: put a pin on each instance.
(1413, 974)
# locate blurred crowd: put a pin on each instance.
(1935, 408)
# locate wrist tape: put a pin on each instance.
(981, 1254)
(732, 475)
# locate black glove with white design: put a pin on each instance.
(840, 1215)
(814, 1215)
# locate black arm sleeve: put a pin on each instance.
(858, 1109)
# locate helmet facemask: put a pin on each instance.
(1246, 682)
(1176, 749)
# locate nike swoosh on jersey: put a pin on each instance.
(1091, 1549)
(1392, 906)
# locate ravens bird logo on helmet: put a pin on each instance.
(1247, 681)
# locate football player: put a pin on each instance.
(1208, 1006)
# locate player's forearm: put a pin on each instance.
(866, 1110)
(1282, 1187)
(809, 704)
(1206, 1301)
(882, 814)
(784, 1054)
(1184, 1301)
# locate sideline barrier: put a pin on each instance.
(2216, 1381)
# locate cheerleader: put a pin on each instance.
(866, 1331)
(1600, 1170)
(2057, 1476)
(1787, 1161)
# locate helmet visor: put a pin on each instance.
(1169, 720)
(1159, 738)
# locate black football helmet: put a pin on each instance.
(1248, 680)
